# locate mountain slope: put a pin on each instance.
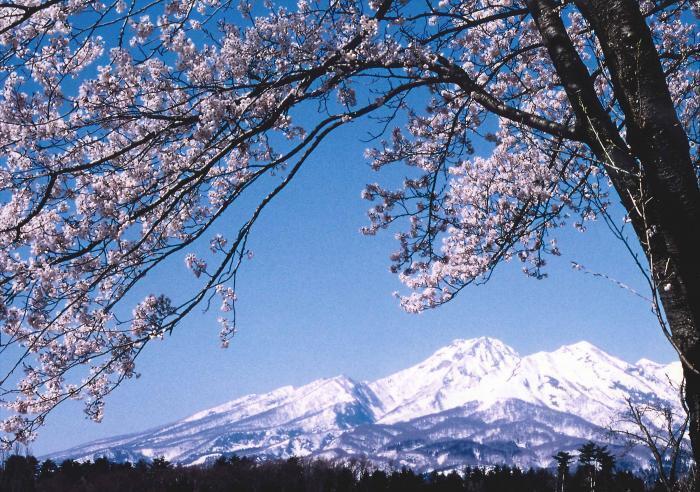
(473, 402)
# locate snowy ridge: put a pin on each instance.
(472, 402)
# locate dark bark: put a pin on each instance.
(652, 170)
(658, 141)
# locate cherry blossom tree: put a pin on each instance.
(129, 128)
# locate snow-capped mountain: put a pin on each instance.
(473, 402)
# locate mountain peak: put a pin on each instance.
(445, 379)
(644, 362)
(585, 349)
(480, 346)
(477, 341)
(475, 357)
(583, 346)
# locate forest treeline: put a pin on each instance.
(595, 473)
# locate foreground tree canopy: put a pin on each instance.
(128, 128)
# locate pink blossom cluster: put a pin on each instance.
(466, 213)
(127, 130)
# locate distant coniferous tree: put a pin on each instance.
(605, 464)
(605, 460)
(563, 460)
(587, 462)
(596, 465)
(70, 470)
(47, 469)
(158, 463)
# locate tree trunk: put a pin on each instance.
(652, 170)
(657, 140)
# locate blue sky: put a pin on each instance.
(316, 302)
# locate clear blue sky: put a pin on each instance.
(316, 302)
